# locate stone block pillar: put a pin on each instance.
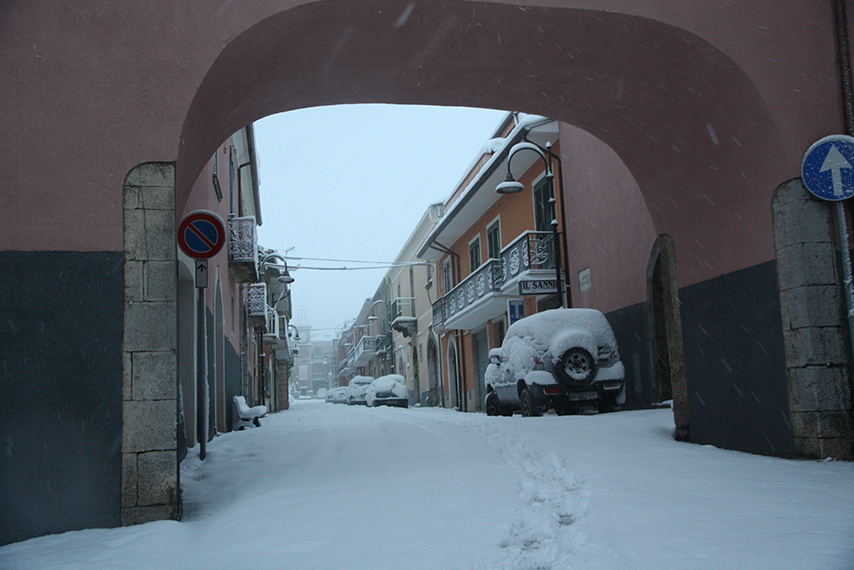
(815, 333)
(149, 428)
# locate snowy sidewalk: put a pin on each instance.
(330, 486)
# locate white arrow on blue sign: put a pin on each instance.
(828, 168)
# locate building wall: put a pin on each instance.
(609, 228)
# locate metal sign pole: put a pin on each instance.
(201, 235)
(202, 359)
(846, 270)
(848, 106)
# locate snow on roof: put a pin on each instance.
(386, 383)
(498, 146)
(361, 380)
(545, 325)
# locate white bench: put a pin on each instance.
(246, 416)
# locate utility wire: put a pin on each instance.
(385, 263)
(295, 267)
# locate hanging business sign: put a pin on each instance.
(538, 287)
(828, 168)
(201, 234)
(515, 310)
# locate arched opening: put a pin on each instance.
(669, 104)
(453, 388)
(187, 351)
(433, 396)
(665, 334)
(219, 357)
(316, 55)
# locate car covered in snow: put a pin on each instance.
(564, 359)
(337, 395)
(388, 390)
(356, 389)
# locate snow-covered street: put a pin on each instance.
(331, 486)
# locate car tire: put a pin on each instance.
(492, 405)
(576, 367)
(530, 409)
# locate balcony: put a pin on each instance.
(243, 249)
(256, 305)
(403, 318)
(530, 252)
(483, 294)
(365, 350)
(384, 344)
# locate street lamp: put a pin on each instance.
(512, 186)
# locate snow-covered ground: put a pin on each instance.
(330, 486)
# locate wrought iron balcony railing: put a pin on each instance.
(530, 251)
(256, 305)
(404, 320)
(243, 249)
(486, 279)
(403, 308)
(366, 348)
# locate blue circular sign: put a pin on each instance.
(828, 168)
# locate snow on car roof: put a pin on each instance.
(385, 383)
(543, 326)
(361, 380)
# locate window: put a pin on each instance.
(474, 254)
(543, 209)
(216, 186)
(493, 240)
(231, 175)
(449, 279)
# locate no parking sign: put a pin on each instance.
(201, 235)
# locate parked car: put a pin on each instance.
(565, 359)
(387, 390)
(333, 392)
(337, 395)
(356, 389)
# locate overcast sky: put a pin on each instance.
(350, 182)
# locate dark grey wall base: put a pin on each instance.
(61, 379)
(631, 330)
(733, 358)
(735, 363)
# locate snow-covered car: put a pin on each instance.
(356, 389)
(337, 395)
(387, 390)
(565, 359)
